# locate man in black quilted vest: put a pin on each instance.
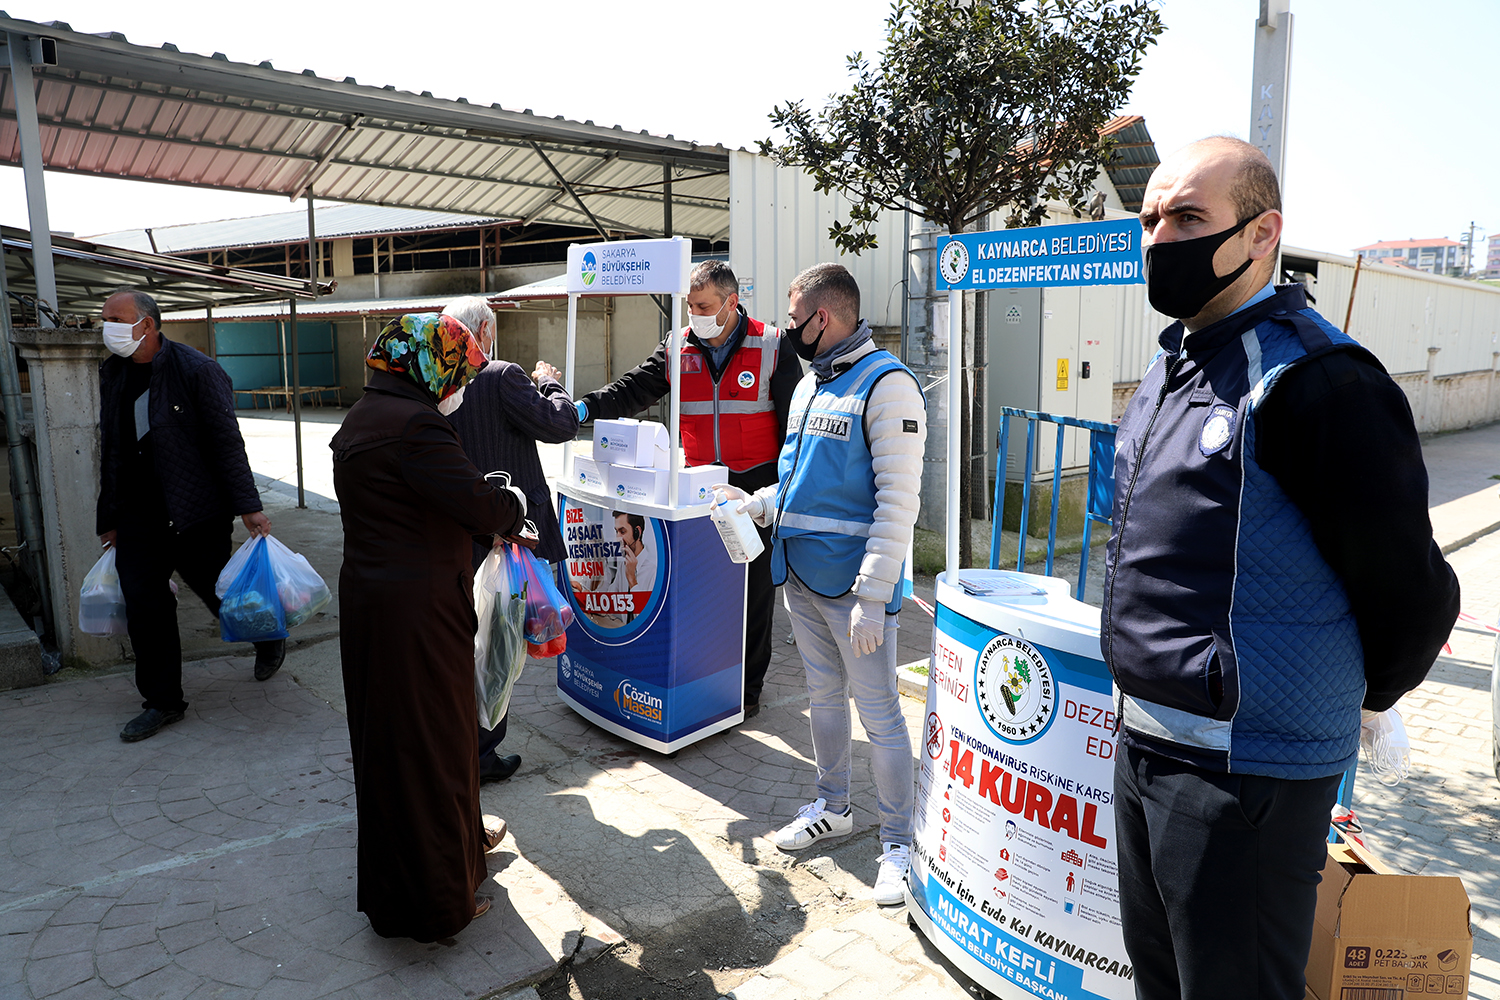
(172, 475)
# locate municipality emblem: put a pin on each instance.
(1218, 430)
(954, 262)
(1014, 689)
(746, 379)
(590, 268)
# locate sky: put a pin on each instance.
(1391, 128)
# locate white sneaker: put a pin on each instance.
(890, 884)
(813, 823)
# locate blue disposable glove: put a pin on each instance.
(583, 410)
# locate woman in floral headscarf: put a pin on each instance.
(410, 502)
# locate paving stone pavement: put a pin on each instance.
(217, 858)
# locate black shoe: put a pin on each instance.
(268, 658)
(495, 768)
(148, 723)
(752, 709)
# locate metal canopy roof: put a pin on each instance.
(1134, 159)
(110, 108)
(86, 273)
(334, 222)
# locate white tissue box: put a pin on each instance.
(638, 443)
(589, 474)
(640, 485)
(696, 485)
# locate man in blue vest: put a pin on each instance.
(1271, 572)
(841, 516)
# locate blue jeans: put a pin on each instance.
(834, 673)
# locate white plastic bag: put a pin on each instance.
(500, 641)
(1385, 746)
(302, 591)
(101, 603)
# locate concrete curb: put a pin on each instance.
(911, 679)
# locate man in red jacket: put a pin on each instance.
(737, 386)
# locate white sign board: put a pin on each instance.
(630, 267)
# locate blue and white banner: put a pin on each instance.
(1086, 253)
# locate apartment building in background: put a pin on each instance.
(1435, 256)
(1492, 259)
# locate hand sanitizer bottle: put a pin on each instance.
(737, 530)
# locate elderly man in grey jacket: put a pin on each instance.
(841, 518)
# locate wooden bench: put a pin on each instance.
(274, 392)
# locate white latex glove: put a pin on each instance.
(748, 502)
(866, 627)
(1386, 747)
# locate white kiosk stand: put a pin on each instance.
(640, 663)
(1013, 868)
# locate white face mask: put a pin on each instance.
(706, 327)
(118, 338)
(453, 402)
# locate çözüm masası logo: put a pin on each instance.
(1015, 689)
(590, 268)
(954, 262)
(634, 702)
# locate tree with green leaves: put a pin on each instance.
(973, 107)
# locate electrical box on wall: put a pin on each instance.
(1044, 348)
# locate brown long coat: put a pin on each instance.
(410, 502)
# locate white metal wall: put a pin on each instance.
(778, 226)
(1399, 314)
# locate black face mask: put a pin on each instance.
(805, 351)
(1180, 278)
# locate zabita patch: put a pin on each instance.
(1218, 430)
(831, 425)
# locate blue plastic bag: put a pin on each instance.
(251, 609)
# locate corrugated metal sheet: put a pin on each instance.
(322, 309)
(1134, 159)
(120, 110)
(333, 222)
(1400, 313)
(87, 273)
(781, 227)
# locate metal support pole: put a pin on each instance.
(674, 364)
(955, 426)
(22, 475)
(568, 376)
(213, 346)
(23, 87)
(296, 402)
(312, 284)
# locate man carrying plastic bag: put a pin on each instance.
(172, 475)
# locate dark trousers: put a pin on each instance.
(147, 552)
(1218, 878)
(489, 739)
(760, 604)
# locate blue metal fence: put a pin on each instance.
(1101, 487)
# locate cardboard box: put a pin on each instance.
(641, 485)
(695, 485)
(1381, 935)
(641, 444)
(588, 474)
